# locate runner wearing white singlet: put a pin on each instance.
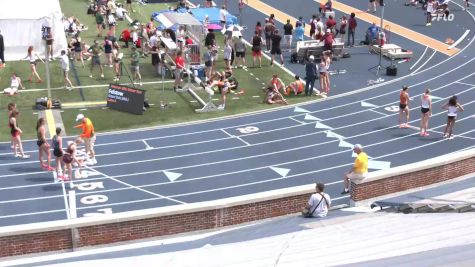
(452, 107)
(426, 112)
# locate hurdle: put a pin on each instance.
(208, 106)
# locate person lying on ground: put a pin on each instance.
(274, 97)
(296, 86)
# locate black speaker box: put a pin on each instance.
(391, 70)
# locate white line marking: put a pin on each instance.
(147, 146)
(235, 98)
(469, 84)
(66, 206)
(300, 110)
(228, 134)
(255, 96)
(237, 137)
(135, 187)
(425, 50)
(375, 111)
(83, 109)
(172, 176)
(294, 119)
(88, 86)
(459, 40)
(281, 171)
(427, 61)
(368, 105)
(72, 204)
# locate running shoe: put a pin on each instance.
(94, 161)
(345, 192)
(102, 75)
(90, 76)
(426, 134)
(451, 137)
(422, 134)
(25, 156)
(405, 125)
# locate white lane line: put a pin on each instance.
(30, 213)
(294, 119)
(147, 146)
(263, 181)
(469, 84)
(267, 142)
(66, 205)
(306, 173)
(135, 187)
(459, 40)
(381, 113)
(287, 162)
(72, 204)
(89, 86)
(427, 61)
(237, 137)
(425, 50)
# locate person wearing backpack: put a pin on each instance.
(318, 204)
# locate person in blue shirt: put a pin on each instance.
(299, 32)
(372, 33)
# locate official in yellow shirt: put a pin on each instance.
(360, 168)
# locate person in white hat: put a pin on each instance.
(359, 170)
(310, 75)
(88, 136)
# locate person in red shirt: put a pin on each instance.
(331, 23)
(327, 40)
(188, 40)
(351, 29)
(180, 66)
(125, 37)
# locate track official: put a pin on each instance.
(89, 137)
(360, 168)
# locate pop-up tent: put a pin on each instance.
(21, 22)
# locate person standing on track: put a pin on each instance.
(69, 158)
(311, 73)
(426, 109)
(43, 146)
(360, 168)
(16, 132)
(57, 144)
(89, 137)
(404, 107)
(452, 107)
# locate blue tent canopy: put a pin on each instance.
(200, 13)
(213, 15)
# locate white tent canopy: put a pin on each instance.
(21, 22)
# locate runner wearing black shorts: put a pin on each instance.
(275, 49)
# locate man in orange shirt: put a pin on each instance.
(88, 136)
(359, 170)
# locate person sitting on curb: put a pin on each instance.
(359, 170)
(276, 83)
(296, 86)
(14, 84)
(318, 204)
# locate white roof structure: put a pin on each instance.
(21, 22)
